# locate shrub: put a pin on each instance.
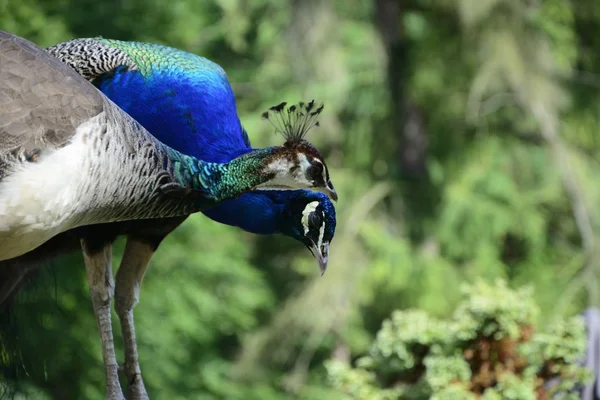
(489, 350)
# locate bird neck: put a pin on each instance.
(221, 181)
(254, 212)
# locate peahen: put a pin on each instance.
(187, 103)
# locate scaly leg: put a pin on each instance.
(129, 279)
(99, 275)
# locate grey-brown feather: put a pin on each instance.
(30, 123)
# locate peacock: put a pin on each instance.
(187, 103)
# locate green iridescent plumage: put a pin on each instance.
(220, 181)
(148, 56)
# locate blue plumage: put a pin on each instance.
(192, 112)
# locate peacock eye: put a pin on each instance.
(314, 219)
(315, 171)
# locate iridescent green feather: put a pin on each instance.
(149, 57)
(220, 181)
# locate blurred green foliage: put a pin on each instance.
(463, 141)
(488, 350)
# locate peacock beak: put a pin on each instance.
(322, 255)
(330, 191)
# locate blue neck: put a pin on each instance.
(202, 123)
(169, 104)
(253, 212)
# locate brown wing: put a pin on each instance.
(42, 101)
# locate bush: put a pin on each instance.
(489, 350)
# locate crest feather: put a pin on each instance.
(295, 121)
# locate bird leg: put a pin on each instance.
(129, 278)
(98, 265)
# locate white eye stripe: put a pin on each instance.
(303, 162)
(310, 207)
(321, 231)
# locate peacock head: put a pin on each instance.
(297, 163)
(310, 218)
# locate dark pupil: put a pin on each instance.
(316, 170)
(314, 219)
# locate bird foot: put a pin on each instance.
(136, 389)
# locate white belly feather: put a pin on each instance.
(41, 199)
(56, 193)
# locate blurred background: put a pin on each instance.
(462, 137)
